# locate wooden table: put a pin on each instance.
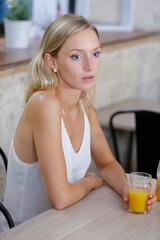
(126, 122)
(101, 215)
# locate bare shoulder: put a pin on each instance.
(43, 105)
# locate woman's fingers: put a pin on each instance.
(152, 199)
(125, 193)
(97, 181)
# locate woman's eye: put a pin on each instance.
(96, 54)
(75, 57)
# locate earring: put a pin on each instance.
(55, 70)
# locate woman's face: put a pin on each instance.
(78, 61)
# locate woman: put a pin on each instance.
(59, 129)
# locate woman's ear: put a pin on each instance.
(49, 60)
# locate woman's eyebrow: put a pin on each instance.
(81, 50)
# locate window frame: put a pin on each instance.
(82, 7)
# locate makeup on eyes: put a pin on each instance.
(77, 56)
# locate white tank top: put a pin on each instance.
(25, 194)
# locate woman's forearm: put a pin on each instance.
(114, 175)
(76, 191)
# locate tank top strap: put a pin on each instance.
(82, 106)
(33, 95)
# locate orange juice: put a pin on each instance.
(158, 189)
(138, 200)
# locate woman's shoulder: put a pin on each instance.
(44, 103)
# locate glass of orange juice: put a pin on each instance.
(139, 186)
(158, 183)
(158, 189)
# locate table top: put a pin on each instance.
(101, 215)
(127, 121)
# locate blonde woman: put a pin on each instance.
(59, 131)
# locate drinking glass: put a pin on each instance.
(158, 183)
(139, 186)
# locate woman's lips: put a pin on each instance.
(88, 78)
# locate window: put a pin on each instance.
(107, 15)
(45, 11)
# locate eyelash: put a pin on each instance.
(77, 57)
(74, 57)
(97, 54)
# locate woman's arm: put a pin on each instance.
(46, 129)
(110, 170)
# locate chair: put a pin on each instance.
(4, 158)
(2, 207)
(7, 215)
(147, 134)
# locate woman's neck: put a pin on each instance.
(69, 98)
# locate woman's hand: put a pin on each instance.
(125, 193)
(94, 179)
(151, 200)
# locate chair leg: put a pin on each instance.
(129, 153)
(115, 145)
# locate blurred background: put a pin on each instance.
(130, 41)
(107, 14)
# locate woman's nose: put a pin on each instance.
(88, 64)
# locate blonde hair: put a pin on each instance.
(40, 76)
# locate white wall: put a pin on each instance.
(103, 11)
(147, 15)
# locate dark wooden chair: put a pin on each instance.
(2, 207)
(7, 215)
(147, 139)
(4, 158)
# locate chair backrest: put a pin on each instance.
(147, 139)
(7, 215)
(5, 160)
(2, 207)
